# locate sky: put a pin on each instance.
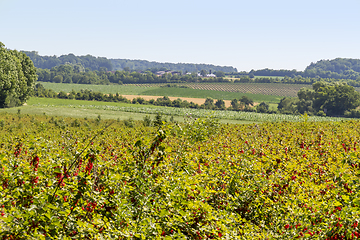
(256, 34)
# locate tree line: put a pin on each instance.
(69, 73)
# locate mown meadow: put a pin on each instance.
(71, 178)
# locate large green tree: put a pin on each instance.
(330, 98)
(247, 101)
(335, 99)
(17, 77)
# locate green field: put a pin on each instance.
(121, 111)
(121, 89)
(107, 110)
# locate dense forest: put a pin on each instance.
(97, 63)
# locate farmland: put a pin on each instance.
(78, 178)
(91, 109)
(268, 92)
(275, 89)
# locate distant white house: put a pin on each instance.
(207, 75)
(160, 73)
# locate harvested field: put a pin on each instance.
(194, 100)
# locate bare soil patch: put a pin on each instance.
(194, 100)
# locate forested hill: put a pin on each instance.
(120, 64)
(88, 61)
(340, 68)
(98, 63)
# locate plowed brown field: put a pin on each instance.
(194, 100)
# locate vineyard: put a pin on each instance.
(286, 90)
(95, 179)
(276, 89)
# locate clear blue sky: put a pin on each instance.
(248, 35)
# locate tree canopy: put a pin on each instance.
(339, 68)
(17, 77)
(332, 99)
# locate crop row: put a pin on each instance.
(276, 89)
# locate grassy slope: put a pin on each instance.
(91, 109)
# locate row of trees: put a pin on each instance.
(331, 99)
(69, 73)
(17, 77)
(242, 104)
(76, 73)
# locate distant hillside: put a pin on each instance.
(97, 63)
(339, 68)
(88, 61)
(120, 64)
